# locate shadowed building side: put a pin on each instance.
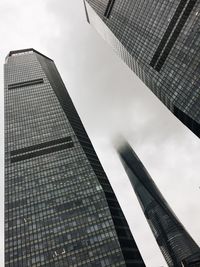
(176, 245)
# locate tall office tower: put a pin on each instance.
(60, 209)
(176, 245)
(159, 41)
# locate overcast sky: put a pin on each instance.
(110, 100)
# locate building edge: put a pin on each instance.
(128, 245)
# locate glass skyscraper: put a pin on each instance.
(160, 42)
(60, 209)
(176, 245)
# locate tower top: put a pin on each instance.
(25, 51)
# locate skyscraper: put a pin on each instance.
(159, 41)
(60, 209)
(176, 245)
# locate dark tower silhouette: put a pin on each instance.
(60, 209)
(159, 41)
(176, 245)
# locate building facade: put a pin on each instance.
(160, 42)
(176, 245)
(60, 209)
